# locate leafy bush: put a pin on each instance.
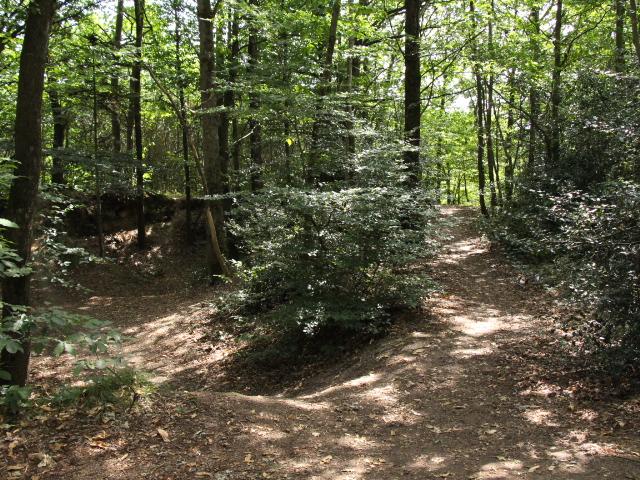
(592, 240)
(107, 383)
(332, 259)
(54, 256)
(56, 332)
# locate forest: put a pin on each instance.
(343, 239)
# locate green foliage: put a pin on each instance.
(332, 259)
(107, 383)
(13, 398)
(55, 257)
(592, 242)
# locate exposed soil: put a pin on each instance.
(480, 385)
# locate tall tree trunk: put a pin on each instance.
(116, 130)
(491, 161)
(24, 187)
(619, 61)
(534, 102)
(137, 120)
(210, 122)
(466, 190)
(351, 139)
(635, 33)
(59, 130)
(96, 161)
(509, 168)
(255, 129)
(284, 39)
(184, 125)
(479, 114)
(412, 82)
(553, 154)
(323, 89)
(223, 68)
(230, 96)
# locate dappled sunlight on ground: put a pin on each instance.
(449, 398)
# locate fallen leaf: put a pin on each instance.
(248, 459)
(163, 434)
(47, 461)
(203, 474)
(12, 447)
(534, 468)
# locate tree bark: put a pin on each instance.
(210, 122)
(534, 103)
(553, 154)
(59, 131)
(223, 130)
(323, 89)
(255, 129)
(491, 160)
(230, 96)
(351, 139)
(96, 162)
(479, 110)
(619, 60)
(635, 34)
(24, 187)
(184, 126)
(116, 129)
(412, 82)
(137, 120)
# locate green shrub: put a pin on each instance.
(592, 242)
(332, 258)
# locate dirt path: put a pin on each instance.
(471, 391)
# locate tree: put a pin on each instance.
(209, 121)
(412, 84)
(255, 128)
(136, 76)
(24, 187)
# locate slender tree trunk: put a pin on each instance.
(466, 191)
(284, 39)
(619, 60)
(491, 161)
(553, 155)
(184, 125)
(351, 139)
(59, 130)
(223, 130)
(24, 187)
(236, 151)
(96, 161)
(137, 120)
(635, 34)
(534, 102)
(412, 82)
(210, 122)
(479, 114)
(323, 89)
(116, 130)
(255, 129)
(231, 96)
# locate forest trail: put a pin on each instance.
(469, 391)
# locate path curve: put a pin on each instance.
(461, 394)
